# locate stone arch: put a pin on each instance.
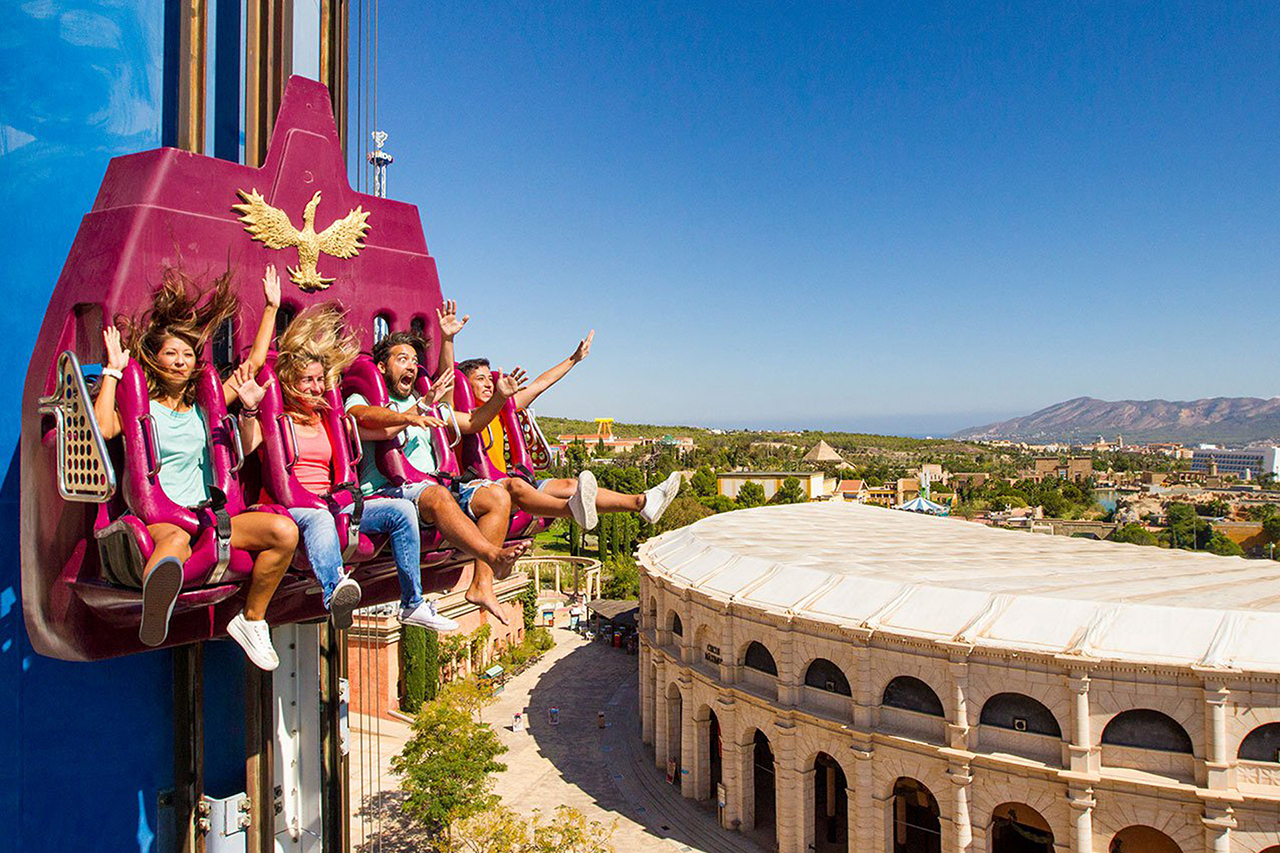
(830, 806)
(762, 782)
(1018, 828)
(915, 818)
(887, 668)
(1145, 728)
(1108, 703)
(1019, 712)
(1261, 744)
(652, 619)
(674, 709)
(912, 694)
(757, 656)
(674, 623)
(1140, 838)
(824, 674)
(984, 683)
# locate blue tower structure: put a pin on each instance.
(87, 749)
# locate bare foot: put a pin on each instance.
(481, 595)
(505, 562)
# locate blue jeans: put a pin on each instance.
(398, 518)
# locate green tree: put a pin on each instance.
(575, 539)
(719, 503)
(501, 830)
(445, 766)
(1216, 508)
(1271, 529)
(1184, 529)
(750, 494)
(416, 664)
(602, 537)
(622, 579)
(1261, 512)
(1134, 533)
(1221, 544)
(529, 607)
(683, 511)
(703, 482)
(789, 493)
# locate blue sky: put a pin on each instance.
(875, 217)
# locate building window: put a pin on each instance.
(1019, 713)
(912, 694)
(1147, 729)
(825, 675)
(1262, 744)
(758, 658)
(381, 327)
(677, 627)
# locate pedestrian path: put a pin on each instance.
(607, 773)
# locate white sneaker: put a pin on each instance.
(657, 499)
(254, 636)
(426, 615)
(345, 598)
(583, 502)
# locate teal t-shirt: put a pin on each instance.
(184, 454)
(417, 446)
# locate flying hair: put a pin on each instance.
(318, 334)
(181, 308)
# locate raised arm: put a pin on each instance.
(251, 394)
(507, 386)
(526, 397)
(266, 328)
(450, 325)
(377, 423)
(104, 407)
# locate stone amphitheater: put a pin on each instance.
(841, 677)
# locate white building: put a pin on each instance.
(850, 679)
(1254, 462)
(811, 482)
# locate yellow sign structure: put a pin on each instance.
(604, 428)
(270, 225)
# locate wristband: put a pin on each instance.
(113, 373)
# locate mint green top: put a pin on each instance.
(417, 446)
(184, 454)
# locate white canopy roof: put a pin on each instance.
(945, 578)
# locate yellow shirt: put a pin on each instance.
(495, 439)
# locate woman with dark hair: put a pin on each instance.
(311, 355)
(167, 341)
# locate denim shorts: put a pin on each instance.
(412, 491)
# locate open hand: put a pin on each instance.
(510, 384)
(440, 390)
(584, 348)
(251, 393)
(450, 324)
(271, 286)
(117, 358)
(424, 421)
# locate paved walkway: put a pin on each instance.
(606, 773)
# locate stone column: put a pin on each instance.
(866, 828)
(739, 812)
(863, 700)
(788, 678)
(787, 785)
(958, 713)
(1083, 756)
(1217, 762)
(700, 769)
(1082, 805)
(688, 741)
(647, 687)
(1219, 819)
(661, 731)
(962, 832)
(800, 791)
(728, 651)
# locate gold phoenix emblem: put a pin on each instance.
(271, 225)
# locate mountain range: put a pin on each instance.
(1224, 420)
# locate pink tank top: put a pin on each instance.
(314, 466)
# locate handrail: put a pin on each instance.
(352, 430)
(290, 453)
(453, 416)
(237, 446)
(84, 468)
(151, 445)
